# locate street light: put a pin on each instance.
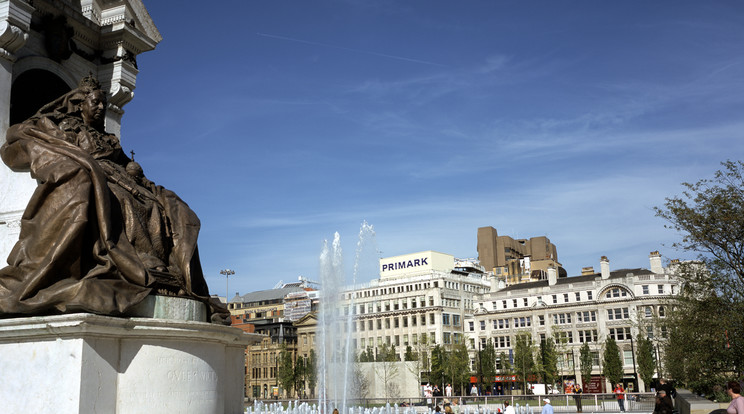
(632, 354)
(227, 273)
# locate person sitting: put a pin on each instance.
(97, 235)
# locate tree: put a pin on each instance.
(312, 371)
(585, 363)
(706, 322)
(286, 370)
(300, 376)
(613, 365)
(646, 360)
(458, 366)
(386, 368)
(410, 355)
(523, 362)
(359, 382)
(486, 363)
(438, 364)
(548, 361)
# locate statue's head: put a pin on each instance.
(93, 105)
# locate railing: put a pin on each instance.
(562, 403)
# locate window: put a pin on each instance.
(595, 359)
(555, 298)
(456, 320)
(578, 296)
(616, 293)
(387, 323)
(503, 304)
(541, 319)
(445, 319)
(650, 332)
(620, 334)
(648, 312)
(561, 318)
(524, 301)
(431, 300)
(565, 298)
(514, 302)
(447, 338)
(617, 313)
(627, 358)
(483, 325)
(662, 312)
(405, 340)
(644, 288)
(431, 319)
(588, 295)
(405, 321)
(660, 289)
(588, 336)
(502, 342)
(523, 322)
(471, 325)
(586, 316)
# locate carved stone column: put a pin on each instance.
(15, 20)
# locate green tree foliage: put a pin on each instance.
(548, 361)
(312, 371)
(646, 360)
(410, 355)
(585, 363)
(286, 370)
(506, 366)
(524, 364)
(300, 376)
(612, 364)
(706, 321)
(438, 364)
(486, 363)
(458, 366)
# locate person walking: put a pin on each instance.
(620, 393)
(577, 396)
(664, 403)
(547, 408)
(733, 389)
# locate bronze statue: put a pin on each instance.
(97, 235)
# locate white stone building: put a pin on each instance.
(622, 304)
(421, 293)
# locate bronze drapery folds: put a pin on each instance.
(97, 236)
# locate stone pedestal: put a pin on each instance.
(84, 363)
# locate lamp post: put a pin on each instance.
(632, 354)
(227, 273)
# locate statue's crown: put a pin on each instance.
(89, 82)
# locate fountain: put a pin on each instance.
(335, 349)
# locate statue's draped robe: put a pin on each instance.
(91, 233)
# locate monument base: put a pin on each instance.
(85, 363)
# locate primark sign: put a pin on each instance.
(424, 261)
(416, 263)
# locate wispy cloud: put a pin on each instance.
(349, 49)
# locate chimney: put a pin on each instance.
(604, 265)
(655, 259)
(552, 279)
(585, 271)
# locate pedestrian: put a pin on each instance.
(668, 388)
(448, 391)
(474, 390)
(508, 409)
(620, 393)
(663, 404)
(577, 396)
(428, 394)
(547, 408)
(733, 389)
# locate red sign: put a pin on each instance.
(595, 385)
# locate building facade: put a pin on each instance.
(622, 304)
(426, 294)
(517, 260)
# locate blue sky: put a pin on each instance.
(283, 122)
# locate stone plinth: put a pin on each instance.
(84, 363)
